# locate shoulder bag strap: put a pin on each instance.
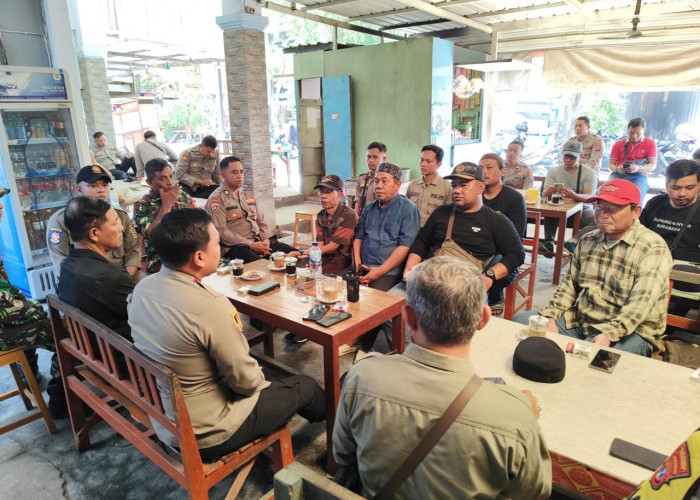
(157, 147)
(448, 235)
(432, 437)
(688, 218)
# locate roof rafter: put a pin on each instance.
(440, 12)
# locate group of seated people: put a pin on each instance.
(450, 245)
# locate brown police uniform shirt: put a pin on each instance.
(429, 196)
(235, 215)
(192, 165)
(365, 191)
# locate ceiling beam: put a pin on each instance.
(439, 5)
(325, 5)
(326, 20)
(413, 25)
(585, 11)
(436, 11)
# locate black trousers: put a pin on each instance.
(202, 191)
(276, 406)
(248, 255)
(385, 283)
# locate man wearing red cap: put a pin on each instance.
(616, 290)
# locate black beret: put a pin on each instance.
(539, 359)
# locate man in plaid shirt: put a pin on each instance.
(616, 290)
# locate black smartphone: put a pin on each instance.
(333, 319)
(605, 361)
(316, 313)
(638, 455)
(262, 288)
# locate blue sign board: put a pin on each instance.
(25, 85)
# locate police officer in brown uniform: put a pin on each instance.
(376, 154)
(242, 228)
(197, 170)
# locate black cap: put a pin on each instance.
(331, 181)
(539, 359)
(91, 174)
(467, 170)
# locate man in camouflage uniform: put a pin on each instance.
(364, 195)
(165, 196)
(23, 322)
(197, 170)
(94, 181)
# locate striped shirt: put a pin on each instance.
(339, 228)
(616, 288)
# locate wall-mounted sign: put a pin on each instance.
(25, 85)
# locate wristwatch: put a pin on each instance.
(489, 273)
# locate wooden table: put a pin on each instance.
(283, 308)
(644, 401)
(561, 211)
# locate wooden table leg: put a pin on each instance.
(269, 340)
(398, 334)
(331, 377)
(559, 254)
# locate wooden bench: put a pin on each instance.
(528, 270)
(132, 392)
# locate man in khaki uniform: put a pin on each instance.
(376, 154)
(243, 232)
(94, 181)
(197, 170)
(592, 154)
(381, 419)
(431, 190)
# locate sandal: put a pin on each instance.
(497, 309)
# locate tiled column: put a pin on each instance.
(244, 50)
(95, 96)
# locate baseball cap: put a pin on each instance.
(331, 181)
(92, 173)
(617, 191)
(4, 191)
(392, 169)
(573, 148)
(467, 170)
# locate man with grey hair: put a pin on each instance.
(381, 419)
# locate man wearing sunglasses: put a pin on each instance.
(616, 290)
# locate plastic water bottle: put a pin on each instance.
(315, 261)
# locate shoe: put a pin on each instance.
(546, 248)
(294, 339)
(497, 309)
(570, 246)
(58, 406)
(346, 349)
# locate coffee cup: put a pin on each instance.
(290, 263)
(277, 259)
(556, 198)
(537, 326)
(236, 266)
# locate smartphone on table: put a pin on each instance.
(605, 361)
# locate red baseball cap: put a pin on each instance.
(617, 191)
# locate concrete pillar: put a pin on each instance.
(246, 80)
(95, 96)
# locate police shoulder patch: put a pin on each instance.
(215, 204)
(55, 236)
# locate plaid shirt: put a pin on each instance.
(616, 288)
(145, 210)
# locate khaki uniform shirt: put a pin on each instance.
(58, 242)
(592, 154)
(520, 177)
(192, 166)
(235, 215)
(108, 157)
(364, 195)
(429, 196)
(617, 288)
(197, 333)
(494, 449)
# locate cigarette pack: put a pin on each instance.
(578, 350)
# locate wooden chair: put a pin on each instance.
(30, 395)
(131, 392)
(309, 215)
(692, 325)
(527, 270)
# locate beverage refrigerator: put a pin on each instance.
(38, 161)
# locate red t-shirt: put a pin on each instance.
(646, 148)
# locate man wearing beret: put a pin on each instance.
(616, 290)
(94, 181)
